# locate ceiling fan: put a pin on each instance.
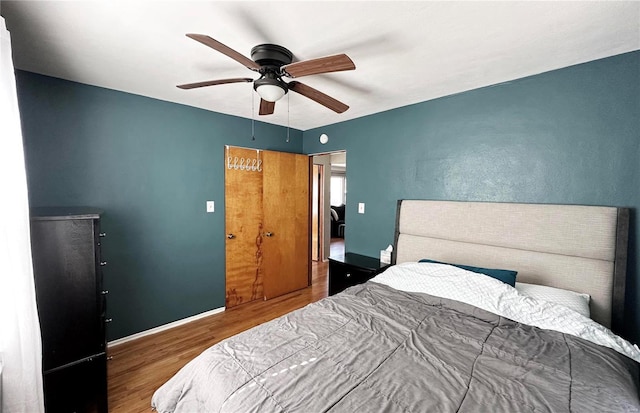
(274, 62)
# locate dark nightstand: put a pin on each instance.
(352, 269)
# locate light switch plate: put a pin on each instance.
(361, 208)
(211, 206)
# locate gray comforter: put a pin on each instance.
(376, 349)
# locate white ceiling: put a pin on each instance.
(405, 52)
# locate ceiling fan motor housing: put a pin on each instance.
(271, 55)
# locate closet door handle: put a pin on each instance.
(231, 236)
(268, 234)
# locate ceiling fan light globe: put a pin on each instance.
(270, 93)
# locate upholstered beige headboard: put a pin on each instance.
(575, 247)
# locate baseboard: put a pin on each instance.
(165, 327)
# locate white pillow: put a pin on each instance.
(578, 302)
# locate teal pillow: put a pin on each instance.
(506, 276)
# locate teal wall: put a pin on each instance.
(151, 165)
(567, 136)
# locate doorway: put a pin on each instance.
(329, 194)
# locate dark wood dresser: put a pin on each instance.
(67, 264)
(351, 269)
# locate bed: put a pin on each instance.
(431, 336)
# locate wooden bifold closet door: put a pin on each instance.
(267, 224)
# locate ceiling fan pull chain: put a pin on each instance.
(253, 120)
(288, 123)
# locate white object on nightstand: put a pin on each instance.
(385, 255)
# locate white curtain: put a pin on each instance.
(20, 344)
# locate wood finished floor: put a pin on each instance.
(140, 366)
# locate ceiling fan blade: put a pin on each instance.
(316, 95)
(214, 82)
(266, 108)
(226, 50)
(336, 63)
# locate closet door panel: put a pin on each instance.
(286, 242)
(243, 223)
